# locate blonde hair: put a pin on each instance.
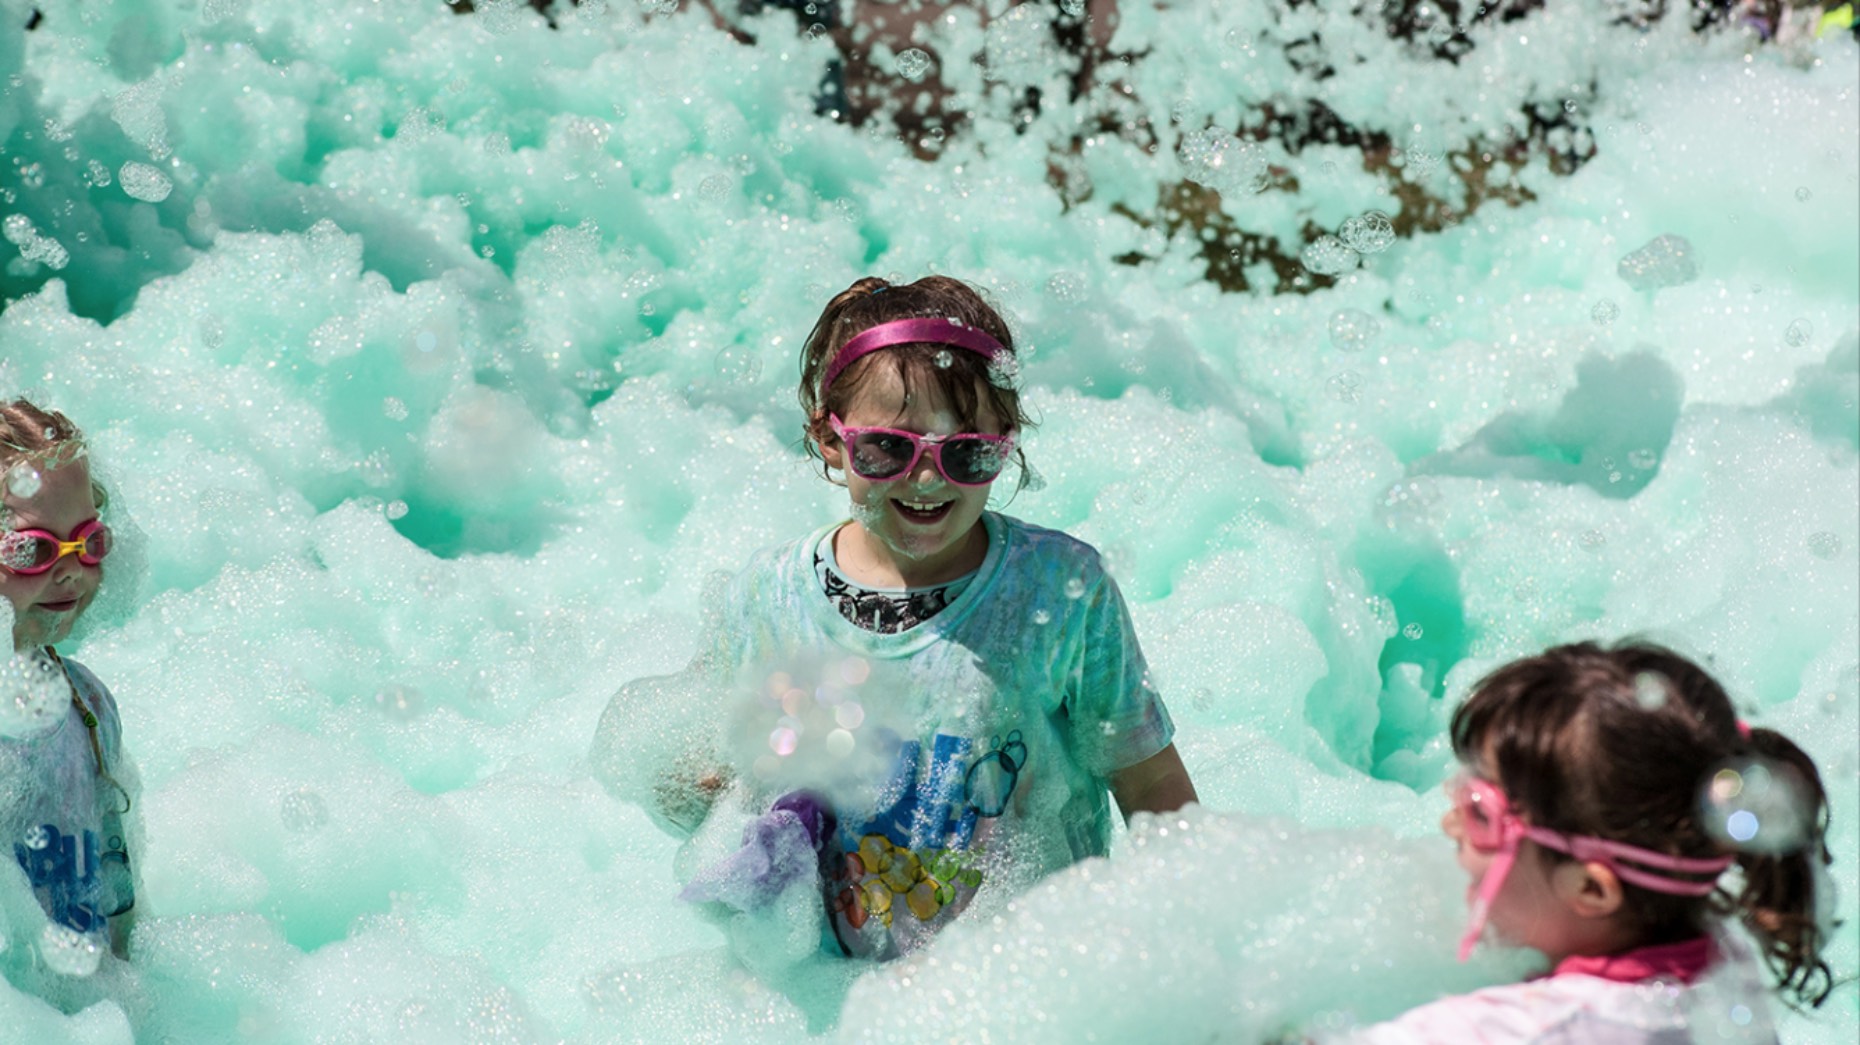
(29, 432)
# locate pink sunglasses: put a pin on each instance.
(30, 552)
(1490, 826)
(882, 454)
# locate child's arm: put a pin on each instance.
(1158, 784)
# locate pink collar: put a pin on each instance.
(1684, 961)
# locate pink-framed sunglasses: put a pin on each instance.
(1490, 826)
(29, 552)
(883, 454)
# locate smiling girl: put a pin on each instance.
(1000, 653)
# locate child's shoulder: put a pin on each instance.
(90, 687)
(1049, 546)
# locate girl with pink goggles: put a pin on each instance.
(1490, 826)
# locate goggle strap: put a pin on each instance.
(1489, 885)
(1610, 854)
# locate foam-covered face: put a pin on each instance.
(919, 528)
(45, 605)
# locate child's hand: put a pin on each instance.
(780, 847)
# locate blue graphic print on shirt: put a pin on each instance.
(64, 871)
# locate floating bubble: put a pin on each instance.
(18, 229)
(144, 182)
(396, 509)
(913, 64)
(69, 952)
(1412, 630)
(783, 740)
(1651, 690)
(1042, 617)
(1665, 261)
(1075, 588)
(1352, 329)
(944, 359)
(1605, 312)
(1368, 233)
(716, 187)
(1824, 545)
(1803, 195)
(1074, 8)
(36, 837)
(399, 702)
(1757, 805)
(1328, 256)
(24, 481)
(1346, 387)
(302, 811)
(1643, 459)
(1800, 332)
(840, 743)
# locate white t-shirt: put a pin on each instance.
(64, 819)
(1002, 718)
(1621, 1001)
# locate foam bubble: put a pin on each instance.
(1757, 805)
(68, 952)
(913, 63)
(143, 182)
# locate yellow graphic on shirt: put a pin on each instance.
(880, 873)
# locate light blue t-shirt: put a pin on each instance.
(1005, 715)
(64, 818)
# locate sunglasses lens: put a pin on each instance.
(97, 545)
(972, 461)
(25, 553)
(877, 455)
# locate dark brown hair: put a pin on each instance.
(28, 430)
(965, 380)
(1579, 744)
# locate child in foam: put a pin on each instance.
(65, 784)
(1000, 652)
(1589, 816)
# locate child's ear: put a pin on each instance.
(1590, 889)
(830, 449)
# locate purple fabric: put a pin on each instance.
(780, 847)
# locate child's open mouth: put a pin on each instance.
(924, 512)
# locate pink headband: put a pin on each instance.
(935, 331)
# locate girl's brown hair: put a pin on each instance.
(29, 431)
(1621, 743)
(965, 380)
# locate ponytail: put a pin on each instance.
(1778, 901)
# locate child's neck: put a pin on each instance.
(871, 562)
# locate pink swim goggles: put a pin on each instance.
(30, 552)
(1490, 826)
(883, 454)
